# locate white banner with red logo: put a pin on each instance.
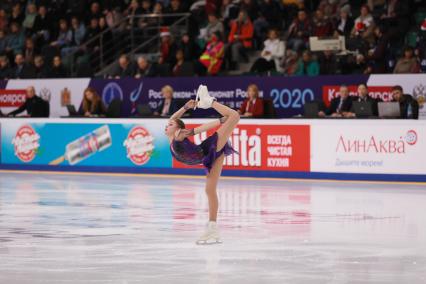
(59, 93)
(368, 146)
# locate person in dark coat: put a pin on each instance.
(408, 105)
(340, 106)
(34, 105)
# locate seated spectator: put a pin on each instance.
(214, 26)
(299, 32)
(175, 7)
(408, 105)
(5, 71)
(189, 48)
(167, 47)
(396, 18)
(41, 70)
(250, 6)
(239, 39)
(354, 65)
(42, 26)
(133, 11)
(307, 65)
(271, 55)
(34, 105)
(364, 25)
(17, 15)
(167, 106)
(322, 27)
(124, 68)
(212, 58)
(29, 50)
(180, 59)
(228, 12)
(22, 69)
(15, 39)
(408, 63)
(340, 106)
(291, 62)
(57, 70)
(328, 63)
(3, 19)
(65, 35)
(92, 105)
(94, 11)
(29, 20)
(144, 68)
(253, 105)
(344, 24)
(377, 55)
(78, 31)
(3, 41)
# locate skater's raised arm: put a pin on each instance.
(189, 104)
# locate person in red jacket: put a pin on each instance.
(253, 105)
(240, 38)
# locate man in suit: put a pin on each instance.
(167, 106)
(34, 105)
(363, 96)
(408, 105)
(340, 106)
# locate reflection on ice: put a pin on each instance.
(111, 229)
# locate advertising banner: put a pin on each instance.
(288, 94)
(85, 144)
(265, 147)
(412, 84)
(381, 148)
(59, 93)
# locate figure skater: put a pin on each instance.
(210, 153)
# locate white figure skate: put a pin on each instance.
(203, 99)
(210, 236)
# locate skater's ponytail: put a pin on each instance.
(180, 123)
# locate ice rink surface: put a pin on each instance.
(68, 228)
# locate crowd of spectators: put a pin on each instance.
(36, 37)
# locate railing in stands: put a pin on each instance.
(131, 35)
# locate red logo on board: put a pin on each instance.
(139, 145)
(26, 143)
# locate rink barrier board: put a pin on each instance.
(287, 94)
(405, 165)
(227, 173)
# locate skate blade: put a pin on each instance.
(209, 242)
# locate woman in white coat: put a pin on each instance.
(271, 55)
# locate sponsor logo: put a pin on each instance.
(248, 146)
(111, 92)
(12, 98)
(411, 137)
(375, 145)
(45, 94)
(139, 145)
(134, 96)
(65, 97)
(265, 147)
(382, 92)
(419, 93)
(26, 143)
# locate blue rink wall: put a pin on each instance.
(385, 150)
